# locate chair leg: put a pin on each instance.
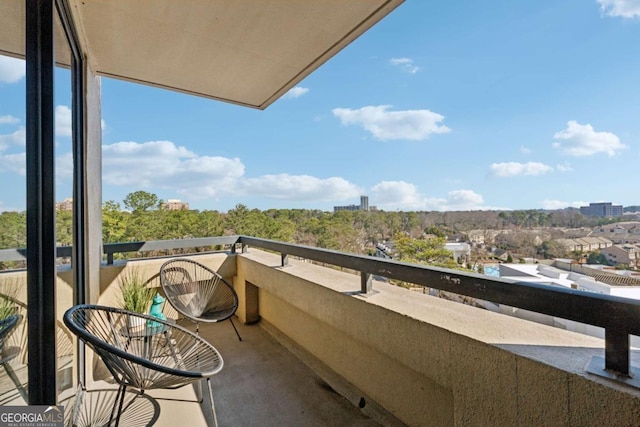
(16, 381)
(234, 328)
(199, 395)
(77, 404)
(121, 392)
(213, 408)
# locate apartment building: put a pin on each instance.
(605, 209)
(622, 254)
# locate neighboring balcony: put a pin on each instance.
(322, 346)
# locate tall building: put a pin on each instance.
(601, 209)
(364, 206)
(364, 203)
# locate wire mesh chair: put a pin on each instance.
(197, 292)
(7, 354)
(141, 354)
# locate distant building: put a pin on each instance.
(622, 254)
(174, 205)
(364, 206)
(585, 244)
(564, 273)
(605, 209)
(621, 233)
(384, 250)
(459, 250)
(364, 203)
(65, 205)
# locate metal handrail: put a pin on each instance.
(158, 245)
(620, 317)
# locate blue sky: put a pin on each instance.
(441, 106)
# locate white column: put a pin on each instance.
(93, 184)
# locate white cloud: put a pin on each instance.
(524, 150)
(582, 140)
(15, 163)
(64, 165)
(163, 165)
(464, 198)
(564, 167)
(392, 195)
(18, 137)
(397, 195)
(622, 8)
(63, 120)
(62, 125)
(296, 92)
(509, 169)
(9, 120)
(11, 69)
(405, 64)
(559, 204)
(415, 125)
(300, 188)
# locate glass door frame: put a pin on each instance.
(40, 167)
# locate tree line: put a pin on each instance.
(141, 218)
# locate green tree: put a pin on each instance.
(424, 251)
(176, 224)
(13, 230)
(596, 257)
(209, 223)
(64, 228)
(114, 222)
(435, 230)
(140, 201)
(552, 249)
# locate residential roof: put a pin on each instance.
(242, 51)
(616, 279)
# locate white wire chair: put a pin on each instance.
(141, 356)
(197, 292)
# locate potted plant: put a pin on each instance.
(135, 295)
(8, 305)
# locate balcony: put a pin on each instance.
(329, 347)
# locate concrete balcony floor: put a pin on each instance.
(261, 383)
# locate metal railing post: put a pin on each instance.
(284, 259)
(616, 351)
(366, 282)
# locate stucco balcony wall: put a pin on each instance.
(428, 361)
(149, 268)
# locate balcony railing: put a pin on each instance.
(620, 317)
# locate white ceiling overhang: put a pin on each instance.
(248, 52)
